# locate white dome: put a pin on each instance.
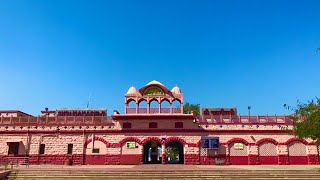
(132, 90)
(155, 82)
(176, 90)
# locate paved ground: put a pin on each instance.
(171, 167)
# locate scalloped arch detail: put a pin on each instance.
(148, 139)
(258, 143)
(233, 140)
(97, 139)
(177, 139)
(131, 100)
(123, 141)
(296, 139)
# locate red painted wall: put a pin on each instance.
(112, 159)
(191, 159)
(268, 159)
(134, 159)
(298, 159)
(95, 159)
(130, 159)
(204, 160)
(239, 160)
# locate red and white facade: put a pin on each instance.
(142, 133)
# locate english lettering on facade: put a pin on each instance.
(80, 113)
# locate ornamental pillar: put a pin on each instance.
(283, 158)
(163, 158)
(312, 153)
(253, 155)
(126, 108)
(137, 107)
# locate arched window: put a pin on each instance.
(132, 103)
(143, 106)
(176, 106)
(154, 106)
(165, 106)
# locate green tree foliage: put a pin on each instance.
(306, 120)
(172, 152)
(187, 108)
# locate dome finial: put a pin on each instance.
(132, 90)
(155, 83)
(176, 90)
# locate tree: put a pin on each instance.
(187, 108)
(306, 120)
(172, 152)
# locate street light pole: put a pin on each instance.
(249, 108)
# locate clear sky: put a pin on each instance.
(220, 53)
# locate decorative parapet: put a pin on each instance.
(56, 121)
(229, 119)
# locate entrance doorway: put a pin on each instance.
(152, 153)
(174, 153)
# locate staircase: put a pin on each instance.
(150, 175)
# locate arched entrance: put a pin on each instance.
(297, 153)
(174, 153)
(238, 153)
(268, 153)
(152, 153)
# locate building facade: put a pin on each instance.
(153, 129)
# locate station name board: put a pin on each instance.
(219, 111)
(210, 142)
(80, 113)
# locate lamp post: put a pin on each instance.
(249, 108)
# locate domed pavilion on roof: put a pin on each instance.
(153, 129)
(153, 91)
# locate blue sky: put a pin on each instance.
(220, 53)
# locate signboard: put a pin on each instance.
(219, 111)
(210, 142)
(131, 145)
(80, 112)
(153, 91)
(238, 146)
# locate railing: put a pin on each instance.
(244, 120)
(45, 120)
(11, 162)
(153, 111)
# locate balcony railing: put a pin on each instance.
(244, 120)
(66, 120)
(153, 111)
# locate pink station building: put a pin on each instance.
(153, 130)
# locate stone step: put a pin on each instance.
(173, 178)
(153, 174)
(168, 172)
(157, 175)
(164, 176)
